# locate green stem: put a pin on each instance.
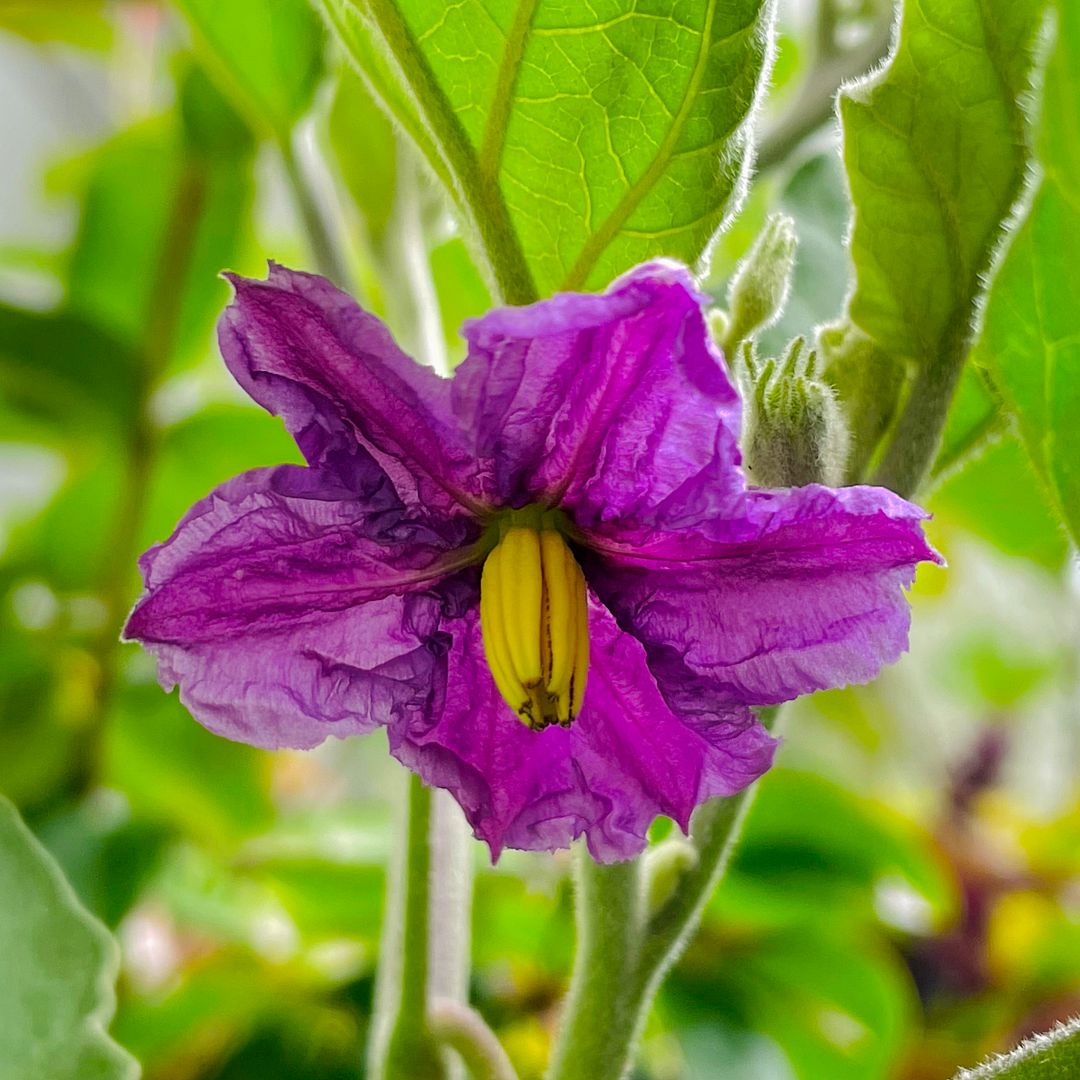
(476, 192)
(140, 450)
(815, 104)
(624, 952)
(917, 435)
(463, 1030)
(328, 259)
(596, 1025)
(412, 1053)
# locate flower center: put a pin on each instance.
(534, 618)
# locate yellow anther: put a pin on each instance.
(496, 649)
(534, 618)
(523, 598)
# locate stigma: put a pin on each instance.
(534, 619)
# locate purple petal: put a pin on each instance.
(616, 406)
(626, 759)
(804, 593)
(289, 608)
(308, 353)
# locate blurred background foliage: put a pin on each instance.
(907, 896)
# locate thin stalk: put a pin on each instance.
(412, 1053)
(414, 307)
(815, 104)
(324, 250)
(141, 445)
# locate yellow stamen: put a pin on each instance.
(534, 619)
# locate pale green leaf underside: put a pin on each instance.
(59, 964)
(1031, 337)
(1053, 1056)
(609, 130)
(935, 150)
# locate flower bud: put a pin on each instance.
(759, 287)
(795, 432)
(665, 866)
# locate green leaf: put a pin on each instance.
(577, 139)
(1031, 337)
(63, 368)
(1053, 1056)
(267, 56)
(56, 997)
(935, 148)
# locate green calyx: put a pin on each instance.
(795, 432)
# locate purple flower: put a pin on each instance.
(586, 438)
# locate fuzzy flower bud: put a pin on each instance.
(759, 287)
(795, 432)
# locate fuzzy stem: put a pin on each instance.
(412, 1053)
(624, 952)
(917, 436)
(596, 1025)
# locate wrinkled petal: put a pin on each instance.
(616, 406)
(308, 353)
(289, 608)
(626, 759)
(806, 592)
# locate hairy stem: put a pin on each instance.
(917, 435)
(411, 1051)
(596, 1025)
(624, 952)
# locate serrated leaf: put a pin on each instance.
(59, 964)
(935, 148)
(268, 56)
(1031, 337)
(577, 139)
(1053, 1056)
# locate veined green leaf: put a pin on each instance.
(1053, 1056)
(59, 964)
(1031, 337)
(935, 148)
(267, 55)
(577, 139)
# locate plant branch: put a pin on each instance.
(463, 1030)
(815, 102)
(916, 437)
(411, 1052)
(158, 341)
